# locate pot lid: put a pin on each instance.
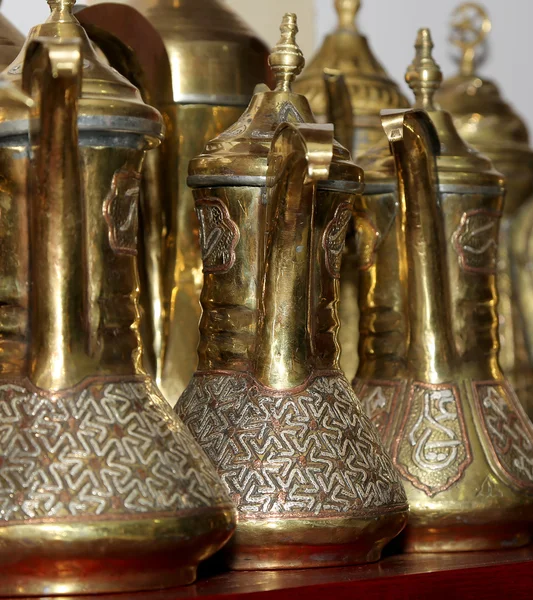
(459, 164)
(108, 102)
(481, 115)
(209, 53)
(239, 155)
(348, 51)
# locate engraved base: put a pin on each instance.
(311, 543)
(61, 558)
(465, 452)
(102, 489)
(311, 481)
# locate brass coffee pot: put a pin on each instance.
(370, 90)
(97, 475)
(269, 405)
(11, 41)
(453, 424)
(488, 123)
(198, 63)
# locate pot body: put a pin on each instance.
(96, 473)
(282, 453)
(198, 65)
(463, 446)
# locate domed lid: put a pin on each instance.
(482, 116)
(11, 41)
(459, 164)
(239, 155)
(109, 102)
(346, 50)
(210, 54)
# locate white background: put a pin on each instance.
(391, 26)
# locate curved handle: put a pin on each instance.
(339, 107)
(52, 76)
(300, 156)
(415, 145)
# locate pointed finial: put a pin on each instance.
(287, 60)
(424, 75)
(347, 11)
(470, 27)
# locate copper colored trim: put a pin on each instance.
(431, 492)
(524, 421)
(397, 385)
(85, 383)
(271, 391)
(494, 214)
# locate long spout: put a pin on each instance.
(52, 75)
(339, 107)
(300, 156)
(415, 145)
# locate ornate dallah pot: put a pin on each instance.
(370, 90)
(487, 122)
(198, 63)
(452, 422)
(269, 405)
(97, 475)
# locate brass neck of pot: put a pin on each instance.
(300, 156)
(414, 144)
(52, 74)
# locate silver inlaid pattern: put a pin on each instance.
(289, 453)
(104, 449)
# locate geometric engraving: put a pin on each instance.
(121, 211)
(98, 450)
(335, 237)
(434, 450)
(219, 235)
(310, 452)
(508, 431)
(476, 241)
(379, 400)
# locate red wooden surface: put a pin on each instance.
(483, 576)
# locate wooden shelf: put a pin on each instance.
(480, 576)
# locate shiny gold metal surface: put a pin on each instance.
(198, 63)
(488, 123)
(11, 41)
(370, 90)
(453, 424)
(269, 405)
(102, 488)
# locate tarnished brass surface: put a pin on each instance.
(98, 477)
(269, 404)
(198, 63)
(454, 426)
(487, 122)
(370, 90)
